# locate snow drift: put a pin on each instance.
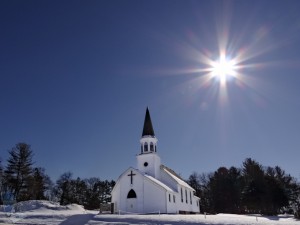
(35, 205)
(51, 213)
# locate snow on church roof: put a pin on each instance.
(176, 177)
(158, 182)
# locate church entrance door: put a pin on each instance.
(131, 205)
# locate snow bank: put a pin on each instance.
(36, 205)
(51, 213)
(75, 207)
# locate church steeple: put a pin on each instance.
(148, 128)
(148, 161)
(148, 140)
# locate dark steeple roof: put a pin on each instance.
(148, 128)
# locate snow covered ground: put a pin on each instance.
(49, 213)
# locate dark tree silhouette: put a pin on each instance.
(255, 186)
(63, 188)
(225, 188)
(1, 183)
(200, 182)
(88, 192)
(18, 171)
(40, 184)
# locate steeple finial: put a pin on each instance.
(148, 128)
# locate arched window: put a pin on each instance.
(155, 148)
(146, 147)
(169, 197)
(141, 148)
(191, 197)
(151, 147)
(131, 194)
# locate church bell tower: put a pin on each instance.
(148, 161)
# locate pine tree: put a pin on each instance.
(255, 188)
(18, 171)
(92, 193)
(297, 202)
(78, 191)
(63, 189)
(40, 184)
(237, 185)
(225, 188)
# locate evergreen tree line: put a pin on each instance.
(246, 190)
(249, 189)
(21, 181)
(87, 192)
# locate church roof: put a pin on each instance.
(148, 128)
(159, 183)
(150, 178)
(176, 177)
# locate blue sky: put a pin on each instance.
(76, 78)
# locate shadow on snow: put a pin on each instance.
(79, 219)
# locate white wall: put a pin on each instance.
(115, 196)
(153, 167)
(183, 206)
(186, 204)
(121, 189)
(172, 206)
(154, 198)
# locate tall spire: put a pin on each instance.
(148, 161)
(148, 128)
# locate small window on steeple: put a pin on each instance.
(141, 148)
(155, 148)
(151, 147)
(146, 147)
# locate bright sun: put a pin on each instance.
(223, 68)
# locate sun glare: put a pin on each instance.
(223, 68)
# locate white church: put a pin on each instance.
(152, 187)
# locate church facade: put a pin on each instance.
(152, 187)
